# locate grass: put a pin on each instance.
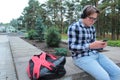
(64, 36)
(114, 43)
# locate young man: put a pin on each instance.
(83, 44)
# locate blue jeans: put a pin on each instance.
(99, 66)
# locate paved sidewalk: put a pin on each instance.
(22, 52)
(7, 70)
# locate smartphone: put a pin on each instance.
(105, 40)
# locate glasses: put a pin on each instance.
(92, 18)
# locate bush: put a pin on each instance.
(61, 51)
(114, 43)
(32, 34)
(53, 37)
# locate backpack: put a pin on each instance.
(46, 67)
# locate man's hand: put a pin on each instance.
(97, 45)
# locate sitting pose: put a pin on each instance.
(83, 44)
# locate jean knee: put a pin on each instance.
(103, 77)
(115, 77)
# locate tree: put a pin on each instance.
(30, 14)
(44, 15)
(70, 12)
(62, 13)
(40, 29)
(56, 12)
(19, 20)
(14, 23)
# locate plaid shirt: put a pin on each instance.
(79, 38)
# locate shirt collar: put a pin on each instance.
(81, 24)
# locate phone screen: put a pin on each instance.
(104, 40)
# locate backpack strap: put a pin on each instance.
(41, 61)
(28, 70)
(45, 63)
(51, 56)
(36, 67)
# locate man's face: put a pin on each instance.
(90, 20)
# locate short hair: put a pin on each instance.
(88, 10)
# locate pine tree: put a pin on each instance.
(40, 28)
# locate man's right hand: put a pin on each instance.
(97, 44)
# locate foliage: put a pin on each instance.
(40, 29)
(14, 23)
(61, 51)
(56, 10)
(64, 36)
(26, 35)
(30, 14)
(53, 37)
(115, 43)
(32, 34)
(65, 30)
(70, 11)
(62, 13)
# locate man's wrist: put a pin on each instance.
(90, 46)
(87, 46)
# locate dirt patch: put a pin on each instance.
(43, 46)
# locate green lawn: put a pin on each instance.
(114, 43)
(64, 36)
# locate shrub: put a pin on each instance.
(114, 43)
(26, 35)
(31, 34)
(61, 51)
(53, 37)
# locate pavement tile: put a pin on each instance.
(7, 70)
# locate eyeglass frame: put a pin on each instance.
(92, 18)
